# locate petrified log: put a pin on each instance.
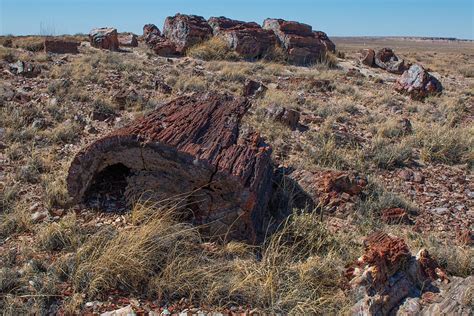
(194, 146)
(105, 38)
(185, 31)
(418, 83)
(248, 39)
(386, 59)
(60, 46)
(302, 45)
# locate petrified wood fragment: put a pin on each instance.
(192, 146)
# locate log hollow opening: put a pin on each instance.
(107, 189)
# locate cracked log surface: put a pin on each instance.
(193, 144)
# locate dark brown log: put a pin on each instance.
(193, 145)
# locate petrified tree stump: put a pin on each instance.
(191, 145)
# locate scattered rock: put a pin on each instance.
(128, 40)
(405, 174)
(386, 59)
(192, 144)
(162, 87)
(395, 216)
(124, 311)
(125, 96)
(60, 46)
(39, 216)
(25, 69)
(254, 88)
(185, 31)
(367, 57)
(105, 38)
(283, 115)
(418, 83)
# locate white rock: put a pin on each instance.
(124, 311)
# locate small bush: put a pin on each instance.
(213, 49)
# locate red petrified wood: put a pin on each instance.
(193, 145)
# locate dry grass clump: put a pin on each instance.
(215, 48)
(467, 71)
(63, 235)
(296, 270)
(30, 43)
(376, 199)
(16, 220)
(186, 83)
(388, 155)
(445, 144)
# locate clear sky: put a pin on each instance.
(447, 18)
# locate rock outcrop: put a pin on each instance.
(185, 31)
(302, 45)
(192, 147)
(248, 39)
(105, 38)
(386, 59)
(60, 46)
(418, 83)
(388, 280)
(128, 40)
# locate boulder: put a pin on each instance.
(323, 37)
(300, 42)
(367, 57)
(105, 38)
(248, 39)
(388, 279)
(164, 47)
(25, 69)
(386, 59)
(288, 117)
(418, 83)
(160, 45)
(150, 29)
(185, 31)
(128, 40)
(192, 149)
(60, 46)
(151, 34)
(253, 88)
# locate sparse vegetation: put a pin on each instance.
(56, 257)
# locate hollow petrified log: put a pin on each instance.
(192, 145)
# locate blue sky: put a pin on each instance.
(450, 18)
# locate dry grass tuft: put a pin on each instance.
(160, 257)
(213, 49)
(445, 144)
